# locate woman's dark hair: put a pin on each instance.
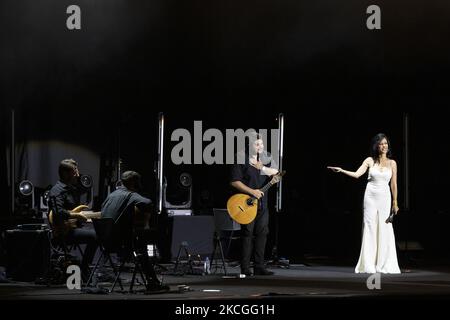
(374, 150)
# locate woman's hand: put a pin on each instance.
(335, 169)
(395, 208)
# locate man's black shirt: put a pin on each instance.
(250, 176)
(67, 198)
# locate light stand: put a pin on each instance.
(275, 260)
(160, 164)
(13, 163)
(406, 202)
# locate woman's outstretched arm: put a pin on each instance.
(354, 174)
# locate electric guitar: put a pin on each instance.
(72, 223)
(242, 208)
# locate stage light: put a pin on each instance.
(185, 180)
(26, 188)
(46, 197)
(86, 181)
(178, 195)
(24, 203)
(87, 196)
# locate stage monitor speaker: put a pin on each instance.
(196, 231)
(27, 254)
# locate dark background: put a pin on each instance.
(237, 64)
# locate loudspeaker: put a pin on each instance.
(196, 231)
(27, 254)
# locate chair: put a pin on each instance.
(223, 223)
(58, 240)
(60, 256)
(112, 240)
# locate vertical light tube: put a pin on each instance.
(406, 200)
(160, 163)
(13, 162)
(119, 159)
(280, 161)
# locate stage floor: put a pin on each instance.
(295, 282)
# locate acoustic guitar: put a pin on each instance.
(141, 220)
(72, 223)
(242, 208)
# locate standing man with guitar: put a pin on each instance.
(249, 178)
(66, 196)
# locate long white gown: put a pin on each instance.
(378, 252)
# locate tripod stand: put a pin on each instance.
(218, 243)
(184, 246)
(274, 259)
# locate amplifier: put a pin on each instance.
(27, 254)
(196, 231)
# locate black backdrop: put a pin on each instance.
(238, 64)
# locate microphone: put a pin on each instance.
(390, 219)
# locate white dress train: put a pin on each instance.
(378, 252)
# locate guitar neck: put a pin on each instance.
(267, 187)
(92, 214)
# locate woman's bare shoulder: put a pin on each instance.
(369, 161)
(393, 164)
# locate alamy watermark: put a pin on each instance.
(74, 279)
(374, 282)
(216, 147)
(373, 22)
(73, 21)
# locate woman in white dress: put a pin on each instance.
(378, 252)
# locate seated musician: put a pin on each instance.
(66, 194)
(125, 205)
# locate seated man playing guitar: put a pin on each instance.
(131, 212)
(66, 196)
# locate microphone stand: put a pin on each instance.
(275, 260)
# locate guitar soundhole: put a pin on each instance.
(250, 201)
